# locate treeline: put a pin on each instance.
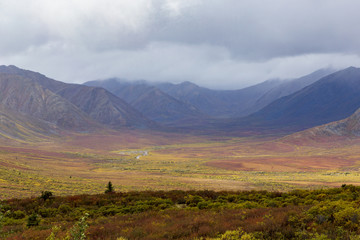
(300, 214)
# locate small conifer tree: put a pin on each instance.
(109, 188)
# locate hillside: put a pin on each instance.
(24, 128)
(332, 98)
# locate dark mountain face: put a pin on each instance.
(332, 98)
(286, 88)
(67, 106)
(151, 101)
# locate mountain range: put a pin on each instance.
(32, 104)
(169, 103)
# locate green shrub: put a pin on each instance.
(18, 214)
(64, 208)
(48, 212)
(33, 220)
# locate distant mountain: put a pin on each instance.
(238, 103)
(332, 98)
(66, 106)
(188, 103)
(151, 101)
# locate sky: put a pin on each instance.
(224, 44)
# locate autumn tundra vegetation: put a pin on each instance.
(299, 214)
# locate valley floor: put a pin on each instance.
(84, 163)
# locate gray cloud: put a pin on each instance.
(215, 43)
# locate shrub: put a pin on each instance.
(18, 214)
(64, 208)
(33, 220)
(46, 195)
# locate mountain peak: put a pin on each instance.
(187, 83)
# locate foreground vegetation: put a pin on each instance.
(300, 214)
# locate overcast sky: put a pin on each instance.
(215, 43)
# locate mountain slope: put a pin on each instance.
(332, 98)
(149, 100)
(288, 87)
(16, 126)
